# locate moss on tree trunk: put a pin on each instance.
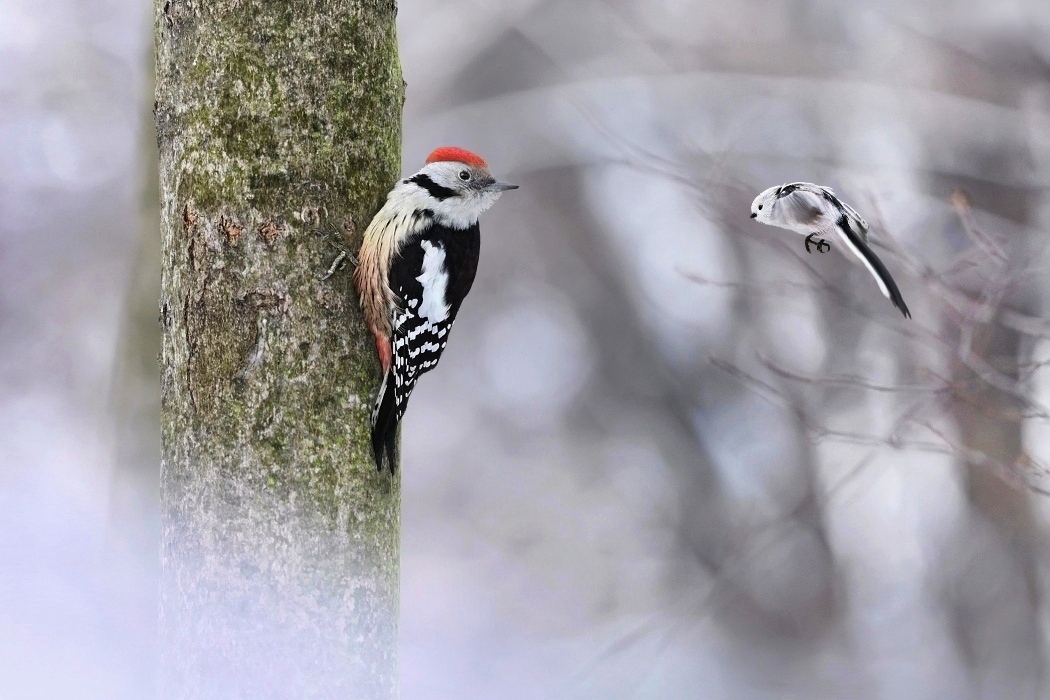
(280, 539)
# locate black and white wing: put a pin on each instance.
(857, 222)
(422, 323)
(802, 207)
(431, 277)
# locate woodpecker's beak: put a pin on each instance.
(500, 186)
(754, 214)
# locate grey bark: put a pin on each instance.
(280, 542)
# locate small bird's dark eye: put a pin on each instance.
(464, 175)
(759, 206)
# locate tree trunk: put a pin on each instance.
(997, 627)
(280, 545)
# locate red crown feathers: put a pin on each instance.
(458, 155)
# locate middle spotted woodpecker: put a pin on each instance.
(417, 263)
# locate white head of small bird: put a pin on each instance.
(762, 207)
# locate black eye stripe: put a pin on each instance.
(438, 192)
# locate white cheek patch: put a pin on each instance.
(463, 212)
(435, 281)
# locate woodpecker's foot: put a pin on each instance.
(333, 241)
(340, 260)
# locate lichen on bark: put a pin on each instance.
(280, 541)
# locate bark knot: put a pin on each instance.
(270, 230)
(231, 228)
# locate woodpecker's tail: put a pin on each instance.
(384, 424)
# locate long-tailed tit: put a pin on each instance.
(806, 208)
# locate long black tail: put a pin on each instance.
(875, 267)
(384, 424)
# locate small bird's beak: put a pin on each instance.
(754, 214)
(500, 186)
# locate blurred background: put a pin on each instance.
(669, 454)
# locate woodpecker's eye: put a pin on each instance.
(464, 175)
(759, 206)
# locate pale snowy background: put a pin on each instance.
(668, 454)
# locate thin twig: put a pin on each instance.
(337, 264)
(843, 380)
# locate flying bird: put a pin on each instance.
(417, 263)
(808, 209)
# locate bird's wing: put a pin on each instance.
(819, 196)
(856, 243)
(423, 319)
(858, 223)
(802, 207)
